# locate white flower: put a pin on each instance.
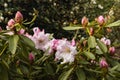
(65, 51)
(40, 38)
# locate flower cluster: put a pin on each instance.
(63, 48)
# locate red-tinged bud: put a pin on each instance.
(18, 17)
(31, 57)
(103, 63)
(11, 23)
(0, 28)
(91, 31)
(112, 50)
(84, 21)
(100, 20)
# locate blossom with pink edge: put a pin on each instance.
(18, 17)
(40, 38)
(51, 46)
(103, 63)
(65, 51)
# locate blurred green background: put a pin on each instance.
(55, 14)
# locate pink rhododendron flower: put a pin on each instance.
(18, 17)
(100, 20)
(112, 50)
(103, 63)
(65, 51)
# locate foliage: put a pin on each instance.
(39, 56)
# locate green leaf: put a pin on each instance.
(72, 28)
(98, 51)
(27, 41)
(92, 42)
(24, 69)
(49, 69)
(89, 55)
(13, 40)
(80, 74)
(65, 75)
(117, 23)
(102, 46)
(3, 73)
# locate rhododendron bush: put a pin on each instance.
(33, 54)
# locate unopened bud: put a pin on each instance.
(100, 20)
(91, 31)
(112, 50)
(103, 63)
(84, 21)
(11, 23)
(18, 17)
(31, 57)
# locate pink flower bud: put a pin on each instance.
(107, 42)
(31, 57)
(91, 31)
(21, 31)
(11, 23)
(18, 17)
(112, 50)
(84, 21)
(73, 42)
(103, 63)
(100, 20)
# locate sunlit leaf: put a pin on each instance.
(72, 28)
(13, 40)
(89, 55)
(117, 23)
(27, 41)
(102, 46)
(91, 42)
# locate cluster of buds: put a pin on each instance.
(12, 22)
